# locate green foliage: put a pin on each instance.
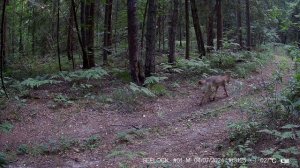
(192, 66)
(154, 80)
(35, 83)
(158, 89)
(243, 70)
(23, 149)
(243, 131)
(62, 99)
(290, 133)
(3, 161)
(293, 51)
(121, 74)
(6, 127)
(141, 90)
(126, 154)
(130, 135)
(95, 73)
(92, 142)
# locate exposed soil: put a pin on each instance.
(172, 127)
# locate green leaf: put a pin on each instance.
(268, 152)
(6, 127)
(292, 150)
(290, 126)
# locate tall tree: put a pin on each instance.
(172, 31)
(88, 32)
(107, 40)
(199, 37)
(70, 38)
(248, 25)
(33, 31)
(239, 24)
(150, 39)
(143, 26)
(57, 35)
(83, 49)
(210, 25)
(133, 42)
(187, 30)
(219, 24)
(2, 53)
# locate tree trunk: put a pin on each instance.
(33, 30)
(150, 39)
(248, 25)
(87, 32)
(116, 35)
(180, 24)
(83, 49)
(83, 34)
(199, 37)
(70, 39)
(107, 40)
(163, 32)
(159, 25)
(239, 24)
(2, 53)
(219, 24)
(133, 41)
(21, 46)
(187, 30)
(57, 36)
(90, 20)
(143, 28)
(210, 26)
(172, 31)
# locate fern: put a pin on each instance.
(154, 80)
(6, 127)
(138, 89)
(95, 73)
(3, 161)
(35, 83)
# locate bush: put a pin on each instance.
(242, 131)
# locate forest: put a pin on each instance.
(149, 83)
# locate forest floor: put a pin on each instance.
(166, 129)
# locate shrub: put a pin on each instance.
(243, 131)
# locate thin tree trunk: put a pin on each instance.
(84, 54)
(83, 14)
(239, 24)
(133, 46)
(159, 32)
(116, 21)
(70, 40)
(143, 26)
(57, 36)
(172, 31)
(5, 47)
(2, 53)
(33, 31)
(199, 37)
(219, 24)
(248, 25)
(163, 33)
(21, 47)
(187, 30)
(210, 26)
(107, 40)
(150, 38)
(90, 32)
(180, 24)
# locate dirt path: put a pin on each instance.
(170, 128)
